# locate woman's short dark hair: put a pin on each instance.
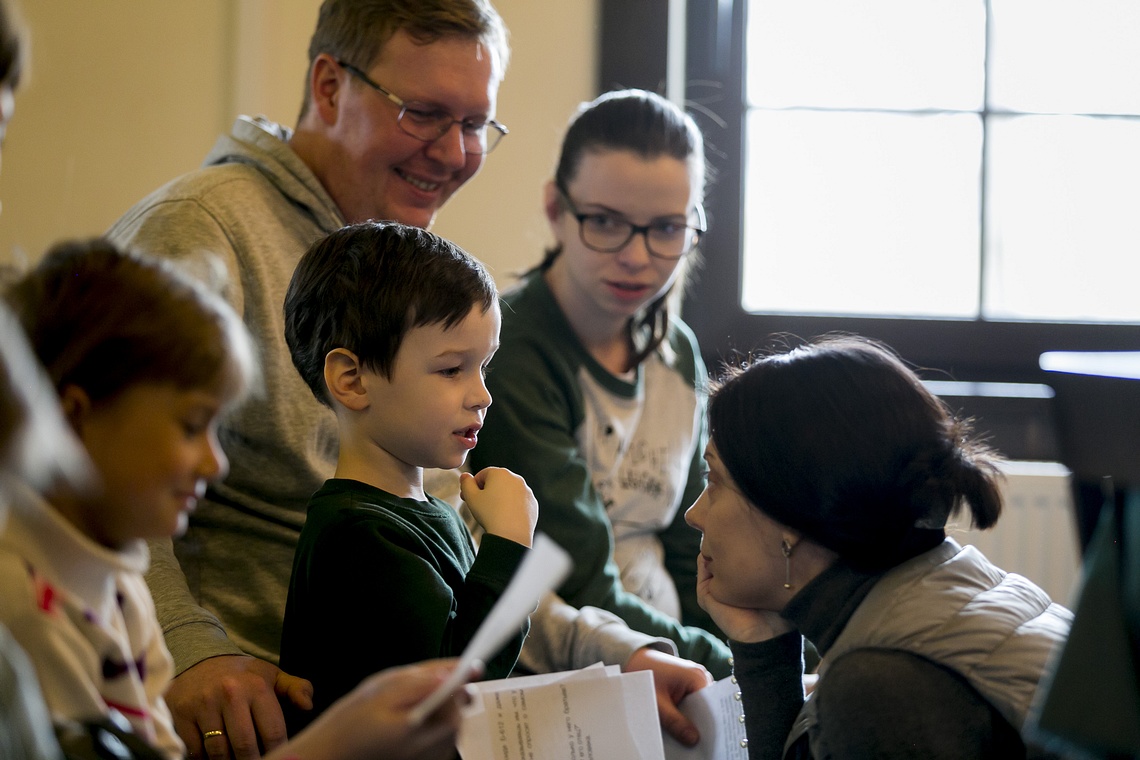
(841, 441)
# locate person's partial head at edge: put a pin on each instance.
(838, 440)
(439, 58)
(365, 286)
(13, 55)
(35, 445)
(649, 126)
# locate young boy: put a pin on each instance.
(392, 327)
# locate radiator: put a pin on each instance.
(1037, 533)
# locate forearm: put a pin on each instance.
(191, 632)
(495, 564)
(563, 637)
(604, 591)
(770, 676)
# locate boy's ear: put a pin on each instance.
(76, 405)
(344, 379)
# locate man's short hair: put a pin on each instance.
(363, 287)
(354, 31)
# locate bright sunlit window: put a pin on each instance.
(943, 159)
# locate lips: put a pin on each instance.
(422, 185)
(628, 291)
(469, 436)
(191, 497)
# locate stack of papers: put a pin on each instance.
(589, 714)
(597, 713)
(594, 714)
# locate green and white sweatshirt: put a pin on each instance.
(613, 464)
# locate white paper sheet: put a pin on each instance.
(592, 714)
(544, 567)
(717, 713)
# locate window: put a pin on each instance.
(956, 178)
(942, 159)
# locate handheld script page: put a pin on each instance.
(596, 713)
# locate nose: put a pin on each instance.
(635, 253)
(214, 464)
(692, 514)
(448, 148)
(481, 397)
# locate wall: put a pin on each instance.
(124, 95)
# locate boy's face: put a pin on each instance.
(430, 411)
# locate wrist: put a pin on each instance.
(766, 626)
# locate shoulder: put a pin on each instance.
(529, 309)
(535, 337)
(220, 191)
(347, 518)
(684, 353)
(888, 702)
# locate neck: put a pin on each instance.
(317, 154)
(78, 512)
(364, 461)
(605, 338)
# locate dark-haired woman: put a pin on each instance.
(598, 384)
(832, 473)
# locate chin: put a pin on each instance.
(413, 216)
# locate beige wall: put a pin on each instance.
(123, 95)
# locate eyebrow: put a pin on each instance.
(464, 352)
(604, 209)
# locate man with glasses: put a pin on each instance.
(398, 113)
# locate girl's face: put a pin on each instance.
(155, 448)
(621, 185)
(740, 545)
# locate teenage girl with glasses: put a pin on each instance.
(598, 385)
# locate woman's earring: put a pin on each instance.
(787, 549)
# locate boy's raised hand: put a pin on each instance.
(501, 502)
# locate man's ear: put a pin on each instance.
(326, 81)
(76, 405)
(344, 380)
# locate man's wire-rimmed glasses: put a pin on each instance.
(480, 136)
(609, 233)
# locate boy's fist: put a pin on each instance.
(501, 502)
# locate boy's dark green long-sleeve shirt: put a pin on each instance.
(380, 581)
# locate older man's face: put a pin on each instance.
(384, 173)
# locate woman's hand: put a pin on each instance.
(376, 719)
(738, 623)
